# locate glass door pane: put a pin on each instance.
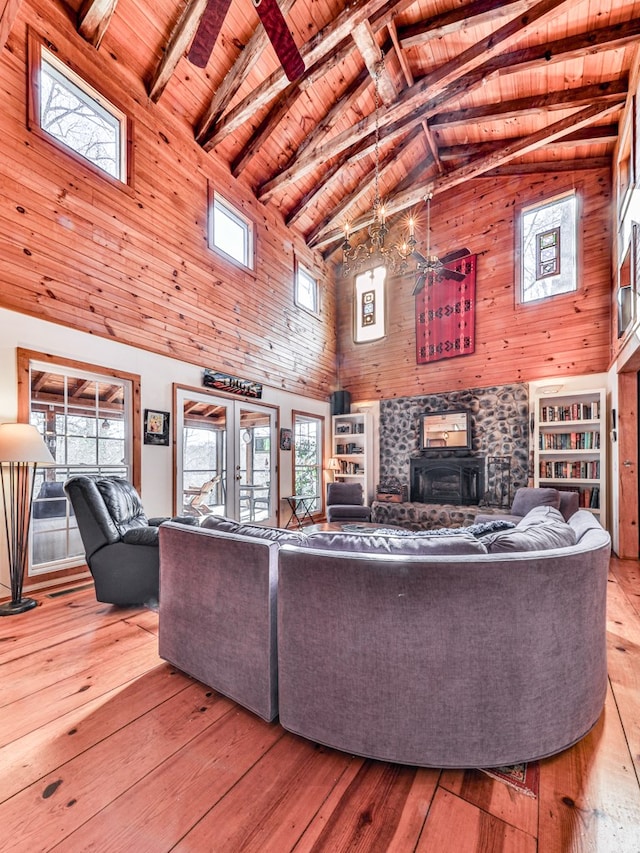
(256, 465)
(204, 457)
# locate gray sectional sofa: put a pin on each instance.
(431, 649)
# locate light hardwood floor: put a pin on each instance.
(105, 747)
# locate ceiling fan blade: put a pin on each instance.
(454, 256)
(419, 284)
(454, 275)
(207, 32)
(420, 258)
(280, 36)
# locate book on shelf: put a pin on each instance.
(571, 412)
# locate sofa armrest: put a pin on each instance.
(141, 536)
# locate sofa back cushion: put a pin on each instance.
(344, 493)
(526, 499)
(541, 529)
(270, 534)
(374, 543)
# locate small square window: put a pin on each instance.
(230, 232)
(306, 290)
(548, 249)
(74, 114)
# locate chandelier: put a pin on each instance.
(373, 252)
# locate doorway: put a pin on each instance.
(226, 458)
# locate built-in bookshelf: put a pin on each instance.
(352, 447)
(569, 445)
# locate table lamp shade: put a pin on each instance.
(23, 443)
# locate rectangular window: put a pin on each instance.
(307, 457)
(77, 116)
(230, 232)
(548, 249)
(85, 421)
(306, 290)
(370, 305)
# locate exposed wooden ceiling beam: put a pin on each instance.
(514, 148)
(365, 40)
(411, 103)
(323, 46)
(604, 134)
(340, 212)
(460, 18)
(179, 40)
(94, 18)
(539, 168)
(8, 13)
(564, 99)
(234, 77)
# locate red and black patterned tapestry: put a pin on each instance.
(445, 314)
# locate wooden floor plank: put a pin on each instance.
(29, 758)
(65, 799)
(496, 798)
(192, 780)
(455, 825)
(106, 747)
(589, 796)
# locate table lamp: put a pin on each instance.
(22, 449)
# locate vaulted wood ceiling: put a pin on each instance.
(466, 89)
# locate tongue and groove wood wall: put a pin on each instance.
(565, 336)
(134, 266)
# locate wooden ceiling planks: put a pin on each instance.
(523, 49)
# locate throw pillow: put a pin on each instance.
(542, 529)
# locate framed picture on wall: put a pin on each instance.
(285, 438)
(156, 427)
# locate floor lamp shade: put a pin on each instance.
(22, 449)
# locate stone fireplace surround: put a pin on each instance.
(499, 428)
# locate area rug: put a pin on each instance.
(522, 777)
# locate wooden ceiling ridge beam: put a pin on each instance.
(433, 84)
(94, 18)
(508, 152)
(334, 37)
(178, 43)
(234, 77)
(565, 98)
(459, 18)
(340, 211)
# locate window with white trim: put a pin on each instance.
(307, 457)
(85, 420)
(77, 116)
(306, 290)
(548, 248)
(230, 232)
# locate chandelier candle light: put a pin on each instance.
(373, 251)
(22, 449)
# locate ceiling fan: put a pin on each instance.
(273, 22)
(433, 266)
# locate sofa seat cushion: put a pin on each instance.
(375, 543)
(344, 512)
(541, 529)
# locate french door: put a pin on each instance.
(226, 460)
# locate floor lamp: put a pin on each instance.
(22, 449)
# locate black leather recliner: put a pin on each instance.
(120, 542)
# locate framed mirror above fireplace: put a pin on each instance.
(445, 431)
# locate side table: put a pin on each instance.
(301, 506)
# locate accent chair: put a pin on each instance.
(345, 503)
